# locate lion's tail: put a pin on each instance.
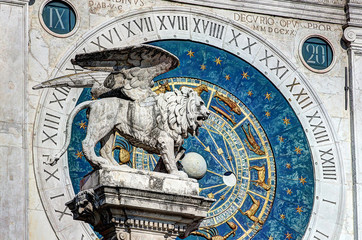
(74, 112)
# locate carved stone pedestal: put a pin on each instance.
(132, 204)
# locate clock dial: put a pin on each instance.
(259, 165)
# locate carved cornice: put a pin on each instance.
(329, 11)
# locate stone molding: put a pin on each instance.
(306, 10)
(353, 35)
(354, 14)
(126, 211)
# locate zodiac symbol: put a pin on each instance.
(218, 110)
(125, 150)
(163, 88)
(251, 142)
(233, 106)
(261, 178)
(213, 233)
(252, 211)
(199, 89)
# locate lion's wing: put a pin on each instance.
(78, 80)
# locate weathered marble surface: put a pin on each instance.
(46, 51)
(134, 204)
(14, 119)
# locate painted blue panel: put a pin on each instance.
(286, 207)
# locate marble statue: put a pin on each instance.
(158, 123)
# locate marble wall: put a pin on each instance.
(30, 55)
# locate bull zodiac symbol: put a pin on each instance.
(213, 233)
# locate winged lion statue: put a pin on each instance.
(121, 80)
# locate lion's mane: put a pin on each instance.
(178, 110)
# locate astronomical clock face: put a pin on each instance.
(259, 167)
(260, 142)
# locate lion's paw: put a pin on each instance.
(181, 174)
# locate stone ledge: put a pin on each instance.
(125, 177)
(139, 204)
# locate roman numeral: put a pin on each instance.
(60, 95)
(142, 24)
(62, 213)
(249, 46)
(302, 97)
(54, 197)
(59, 18)
(320, 134)
(51, 122)
(320, 236)
(214, 30)
(266, 58)
(328, 201)
(277, 68)
(75, 69)
(108, 37)
(328, 164)
(52, 175)
(180, 20)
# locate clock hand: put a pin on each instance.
(207, 149)
(219, 150)
(229, 156)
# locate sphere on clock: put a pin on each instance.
(194, 165)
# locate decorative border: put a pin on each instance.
(327, 213)
(306, 64)
(77, 20)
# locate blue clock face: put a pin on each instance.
(259, 166)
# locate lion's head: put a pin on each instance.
(186, 111)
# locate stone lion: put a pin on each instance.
(158, 124)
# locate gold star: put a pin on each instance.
(282, 216)
(298, 150)
(267, 113)
(281, 139)
(79, 154)
(286, 121)
(230, 158)
(222, 197)
(268, 96)
(190, 53)
(202, 67)
(288, 235)
(82, 125)
(218, 61)
(245, 75)
(302, 180)
(93, 98)
(250, 93)
(288, 166)
(227, 77)
(289, 191)
(270, 238)
(299, 209)
(211, 195)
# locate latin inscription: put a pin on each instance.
(96, 6)
(280, 26)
